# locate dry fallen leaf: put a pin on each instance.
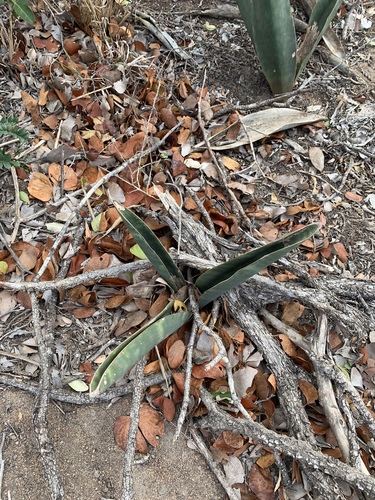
(70, 177)
(291, 312)
(341, 253)
(317, 157)
(40, 187)
(261, 484)
(32, 107)
(228, 442)
(121, 430)
(98, 262)
(7, 304)
(231, 164)
(309, 391)
(151, 424)
(269, 231)
(176, 354)
(353, 196)
(266, 460)
(167, 407)
(243, 379)
(262, 124)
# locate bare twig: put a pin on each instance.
(40, 408)
(236, 206)
(325, 371)
(256, 105)
(189, 366)
(127, 492)
(162, 35)
(202, 209)
(327, 397)
(17, 205)
(2, 462)
(202, 448)
(19, 356)
(68, 396)
(63, 284)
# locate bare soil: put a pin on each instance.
(89, 459)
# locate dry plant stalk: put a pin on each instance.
(95, 14)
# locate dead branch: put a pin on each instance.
(203, 450)
(127, 477)
(64, 284)
(243, 302)
(41, 403)
(68, 396)
(311, 459)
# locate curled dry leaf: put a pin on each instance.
(167, 407)
(262, 387)
(121, 431)
(32, 107)
(159, 304)
(288, 347)
(40, 187)
(70, 177)
(7, 304)
(176, 354)
(243, 380)
(168, 118)
(309, 391)
(125, 150)
(291, 312)
(234, 470)
(261, 484)
(115, 301)
(179, 379)
(216, 371)
(266, 460)
(341, 253)
(154, 366)
(228, 442)
(151, 424)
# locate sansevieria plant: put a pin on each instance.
(271, 28)
(210, 285)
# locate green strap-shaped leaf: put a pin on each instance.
(22, 10)
(127, 354)
(222, 278)
(322, 14)
(152, 248)
(270, 25)
(103, 367)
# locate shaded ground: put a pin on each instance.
(89, 460)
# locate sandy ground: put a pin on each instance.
(90, 461)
